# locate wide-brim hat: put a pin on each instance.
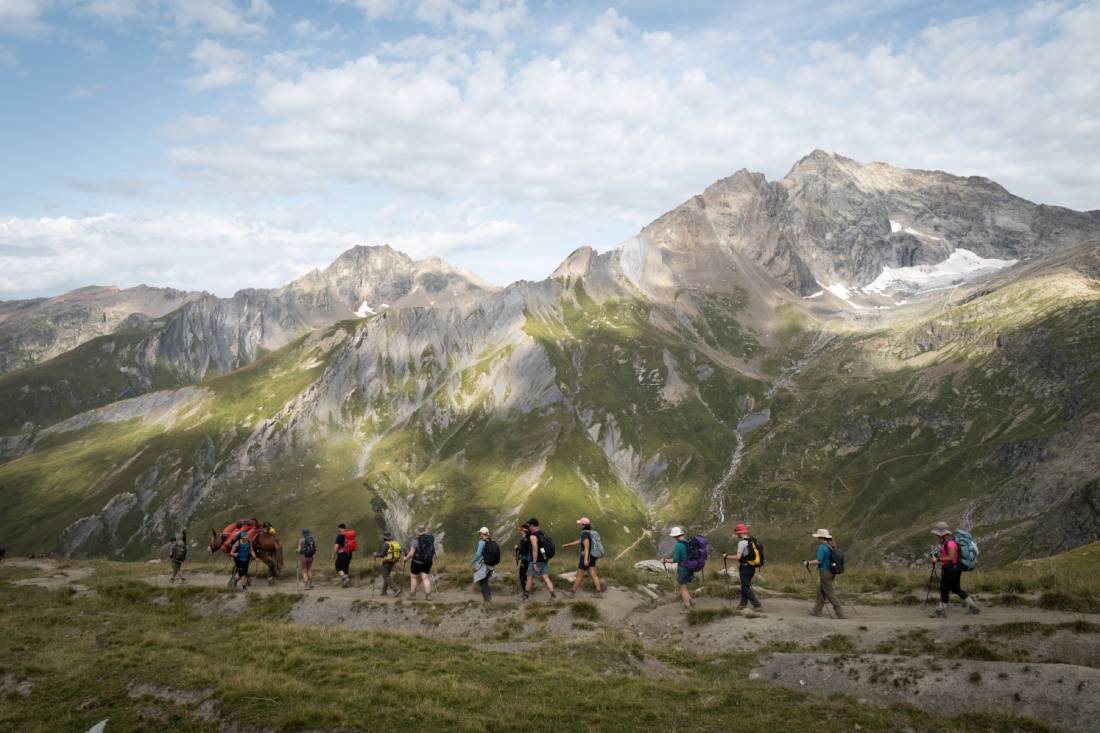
(483, 530)
(675, 532)
(823, 534)
(940, 529)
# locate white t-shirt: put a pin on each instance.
(742, 548)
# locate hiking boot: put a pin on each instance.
(974, 610)
(553, 596)
(816, 613)
(841, 614)
(758, 609)
(938, 613)
(598, 594)
(345, 581)
(741, 606)
(525, 596)
(570, 593)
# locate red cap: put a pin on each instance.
(741, 528)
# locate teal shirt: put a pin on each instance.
(824, 557)
(680, 553)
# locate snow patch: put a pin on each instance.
(811, 296)
(962, 266)
(364, 310)
(895, 227)
(915, 233)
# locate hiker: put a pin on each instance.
(177, 553)
(591, 550)
(684, 575)
(749, 558)
(307, 548)
(389, 554)
(485, 559)
(541, 553)
(951, 570)
(243, 554)
(824, 562)
(523, 555)
(342, 550)
(422, 553)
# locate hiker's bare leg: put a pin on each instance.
(530, 584)
(427, 584)
(595, 579)
(685, 596)
(413, 577)
(577, 581)
(549, 583)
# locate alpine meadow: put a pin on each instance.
(818, 449)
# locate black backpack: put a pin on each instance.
(837, 560)
(755, 553)
(309, 546)
(546, 546)
(425, 549)
(180, 552)
(491, 553)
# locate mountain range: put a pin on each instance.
(854, 346)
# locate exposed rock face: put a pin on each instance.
(832, 220)
(677, 379)
(32, 331)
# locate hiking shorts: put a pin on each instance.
(305, 563)
(538, 569)
(416, 568)
(683, 575)
(176, 565)
(343, 562)
(242, 568)
(591, 563)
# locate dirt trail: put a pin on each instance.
(1042, 664)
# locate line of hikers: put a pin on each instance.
(956, 553)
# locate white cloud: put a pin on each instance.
(115, 10)
(623, 120)
(306, 29)
(374, 9)
(219, 66)
(87, 92)
(197, 251)
(222, 16)
(495, 18)
(23, 17)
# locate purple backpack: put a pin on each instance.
(697, 553)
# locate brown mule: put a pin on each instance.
(268, 548)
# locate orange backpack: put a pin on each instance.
(349, 541)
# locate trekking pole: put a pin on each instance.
(729, 588)
(928, 590)
(828, 606)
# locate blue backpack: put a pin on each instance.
(968, 550)
(243, 550)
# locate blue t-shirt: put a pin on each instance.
(242, 550)
(824, 557)
(680, 553)
(586, 535)
(480, 550)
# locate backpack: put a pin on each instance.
(546, 546)
(350, 545)
(393, 551)
(425, 549)
(754, 553)
(968, 550)
(596, 550)
(836, 560)
(309, 546)
(181, 552)
(697, 553)
(243, 549)
(491, 553)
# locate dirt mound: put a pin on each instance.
(1060, 694)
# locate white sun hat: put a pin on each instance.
(823, 534)
(675, 532)
(483, 530)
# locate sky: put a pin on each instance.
(222, 144)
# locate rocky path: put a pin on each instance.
(1026, 661)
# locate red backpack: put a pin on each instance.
(349, 541)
